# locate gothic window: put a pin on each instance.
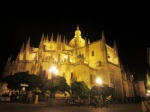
(44, 73)
(71, 75)
(91, 78)
(64, 75)
(112, 78)
(83, 55)
(108, 55)
(92, 53)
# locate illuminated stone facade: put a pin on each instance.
(79, 59)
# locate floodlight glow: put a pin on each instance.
(53, 70)
(99, 81)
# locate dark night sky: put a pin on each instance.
(125, 22)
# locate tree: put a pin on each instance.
(104, 90)
(80, 89)
(96, 91)
(34, 81)
(57, 84)
(14, 81)
(61, 85)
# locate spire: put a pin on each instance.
(116, 52)
(57, 38)
(128, 72)
(9, 59)
(104, 51)
(28, 42)
(60, 38)
(52, 37)
(115, 48)
(20, 53)
(88, 41)
(103, 41)
(77, 27)
(123, 71)
(58, 42)
(27, 49)
(28, 45)
(42, 40)
(64, 42)
(77, 32)
(8, 62)
(17, 58)
(51, 41)
(22, 48)
(85, 41)
(121, 66)
(103, 37)
(47, 39)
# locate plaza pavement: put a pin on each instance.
(43, 107)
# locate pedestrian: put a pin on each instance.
(145, 105)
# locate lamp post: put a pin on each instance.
(54, 71)
(23, 89)
(99, 82)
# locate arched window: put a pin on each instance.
(91, 78)
(64, 75)
(71, 75)
(92, 53)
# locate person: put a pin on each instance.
(29, 97)
(145, 105)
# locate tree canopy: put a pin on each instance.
(80, 89)
(104, 90)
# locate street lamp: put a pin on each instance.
(99, 81)
(23, 89)
(54, 71)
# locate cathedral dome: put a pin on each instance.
(77, 41)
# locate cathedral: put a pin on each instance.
(78, 59)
